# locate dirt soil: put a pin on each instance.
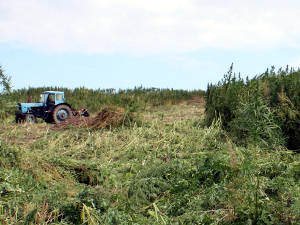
(196, 101)
(190, 109)
(108, 117)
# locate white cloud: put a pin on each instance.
(147, 27)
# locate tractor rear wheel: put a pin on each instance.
(61, 113)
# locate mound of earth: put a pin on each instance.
(108, 118)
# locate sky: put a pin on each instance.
(180, 44)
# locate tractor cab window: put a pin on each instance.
(51, 99)
(43, 98)
(59, 97)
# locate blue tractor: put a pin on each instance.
(51, 108)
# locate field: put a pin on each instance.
(227, 155)
(165, 167)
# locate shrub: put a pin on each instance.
(265, 108)
(256, 123)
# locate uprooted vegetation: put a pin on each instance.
(167, 167)
(158, 173)
(107, 118)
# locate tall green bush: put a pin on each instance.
(5, 90)
(255, 122)
(5, 81)
(266, 107)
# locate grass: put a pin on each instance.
(167, 169)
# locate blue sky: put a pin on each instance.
(181, 44)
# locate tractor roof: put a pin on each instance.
(53, 92)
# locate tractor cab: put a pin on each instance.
(52, 98)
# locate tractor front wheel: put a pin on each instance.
(25, 118)
(19, 118)
(61, 113)
(30, 118)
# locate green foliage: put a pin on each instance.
(254, 122)
(8, 157)
(265, 109)
(5, 81)
(5, 90)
